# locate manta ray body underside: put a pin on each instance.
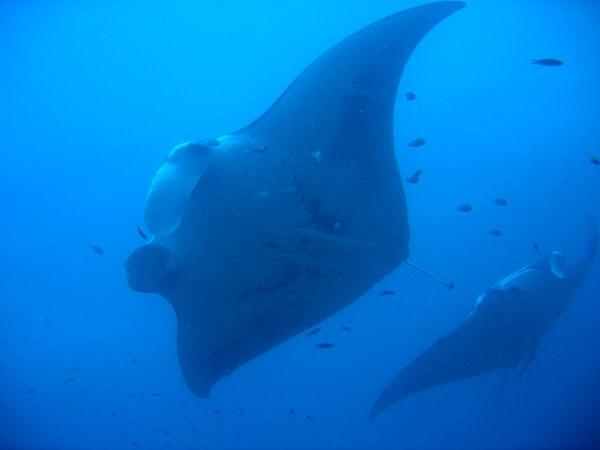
(266, 231)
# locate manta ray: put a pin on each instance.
(266, 231)
(503, 329)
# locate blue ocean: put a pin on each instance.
(252, 290)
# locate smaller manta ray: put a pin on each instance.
(503, 329)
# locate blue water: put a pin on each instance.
(93, 95)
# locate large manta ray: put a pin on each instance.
(266, 231)
(503, 329)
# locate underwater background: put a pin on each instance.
(93, 95)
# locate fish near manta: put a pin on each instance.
(236, 298)
(503, 329)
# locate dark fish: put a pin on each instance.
(595, 161)
(418, 142)
(310, 418)
(155, 394)
(270, 245)
(292, 411)
(410, 95)
(133, 361)
(547, 62)
(496, 233)
(500, 201)
(68, 380)
(414, 178)
(387, 293)
(325, 345)
(216, 411)
(535, 246)
(347, 329)
(238, 432)
(464, 208)
(135, 444)
(261, 149)
(29, 391)
(74, 369)
(141, 233)
(167, 431)
(97, 250)
(313, 332)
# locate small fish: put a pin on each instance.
(270, 245)
(535, 246)
(464, 208)
(410, 96)
(167, 431)
(318, 155)
(238, 432)
(514, 289)
(387, 293)
(74, 369)
(347, 329)
(310, 418)
(292, 411)
(595, 161)
(133, 361)
(418, 142)
(547, 62)
(500, 201)
(68, 380)
(414, 178)
(155, 394)
(216, 411)
(29, 391)
(313, 332)
(97, 250)
(290, 190)
(135, 444)
(141, 233)
(496, 233)
(262, 195)
(260, 149)
(324, 345)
